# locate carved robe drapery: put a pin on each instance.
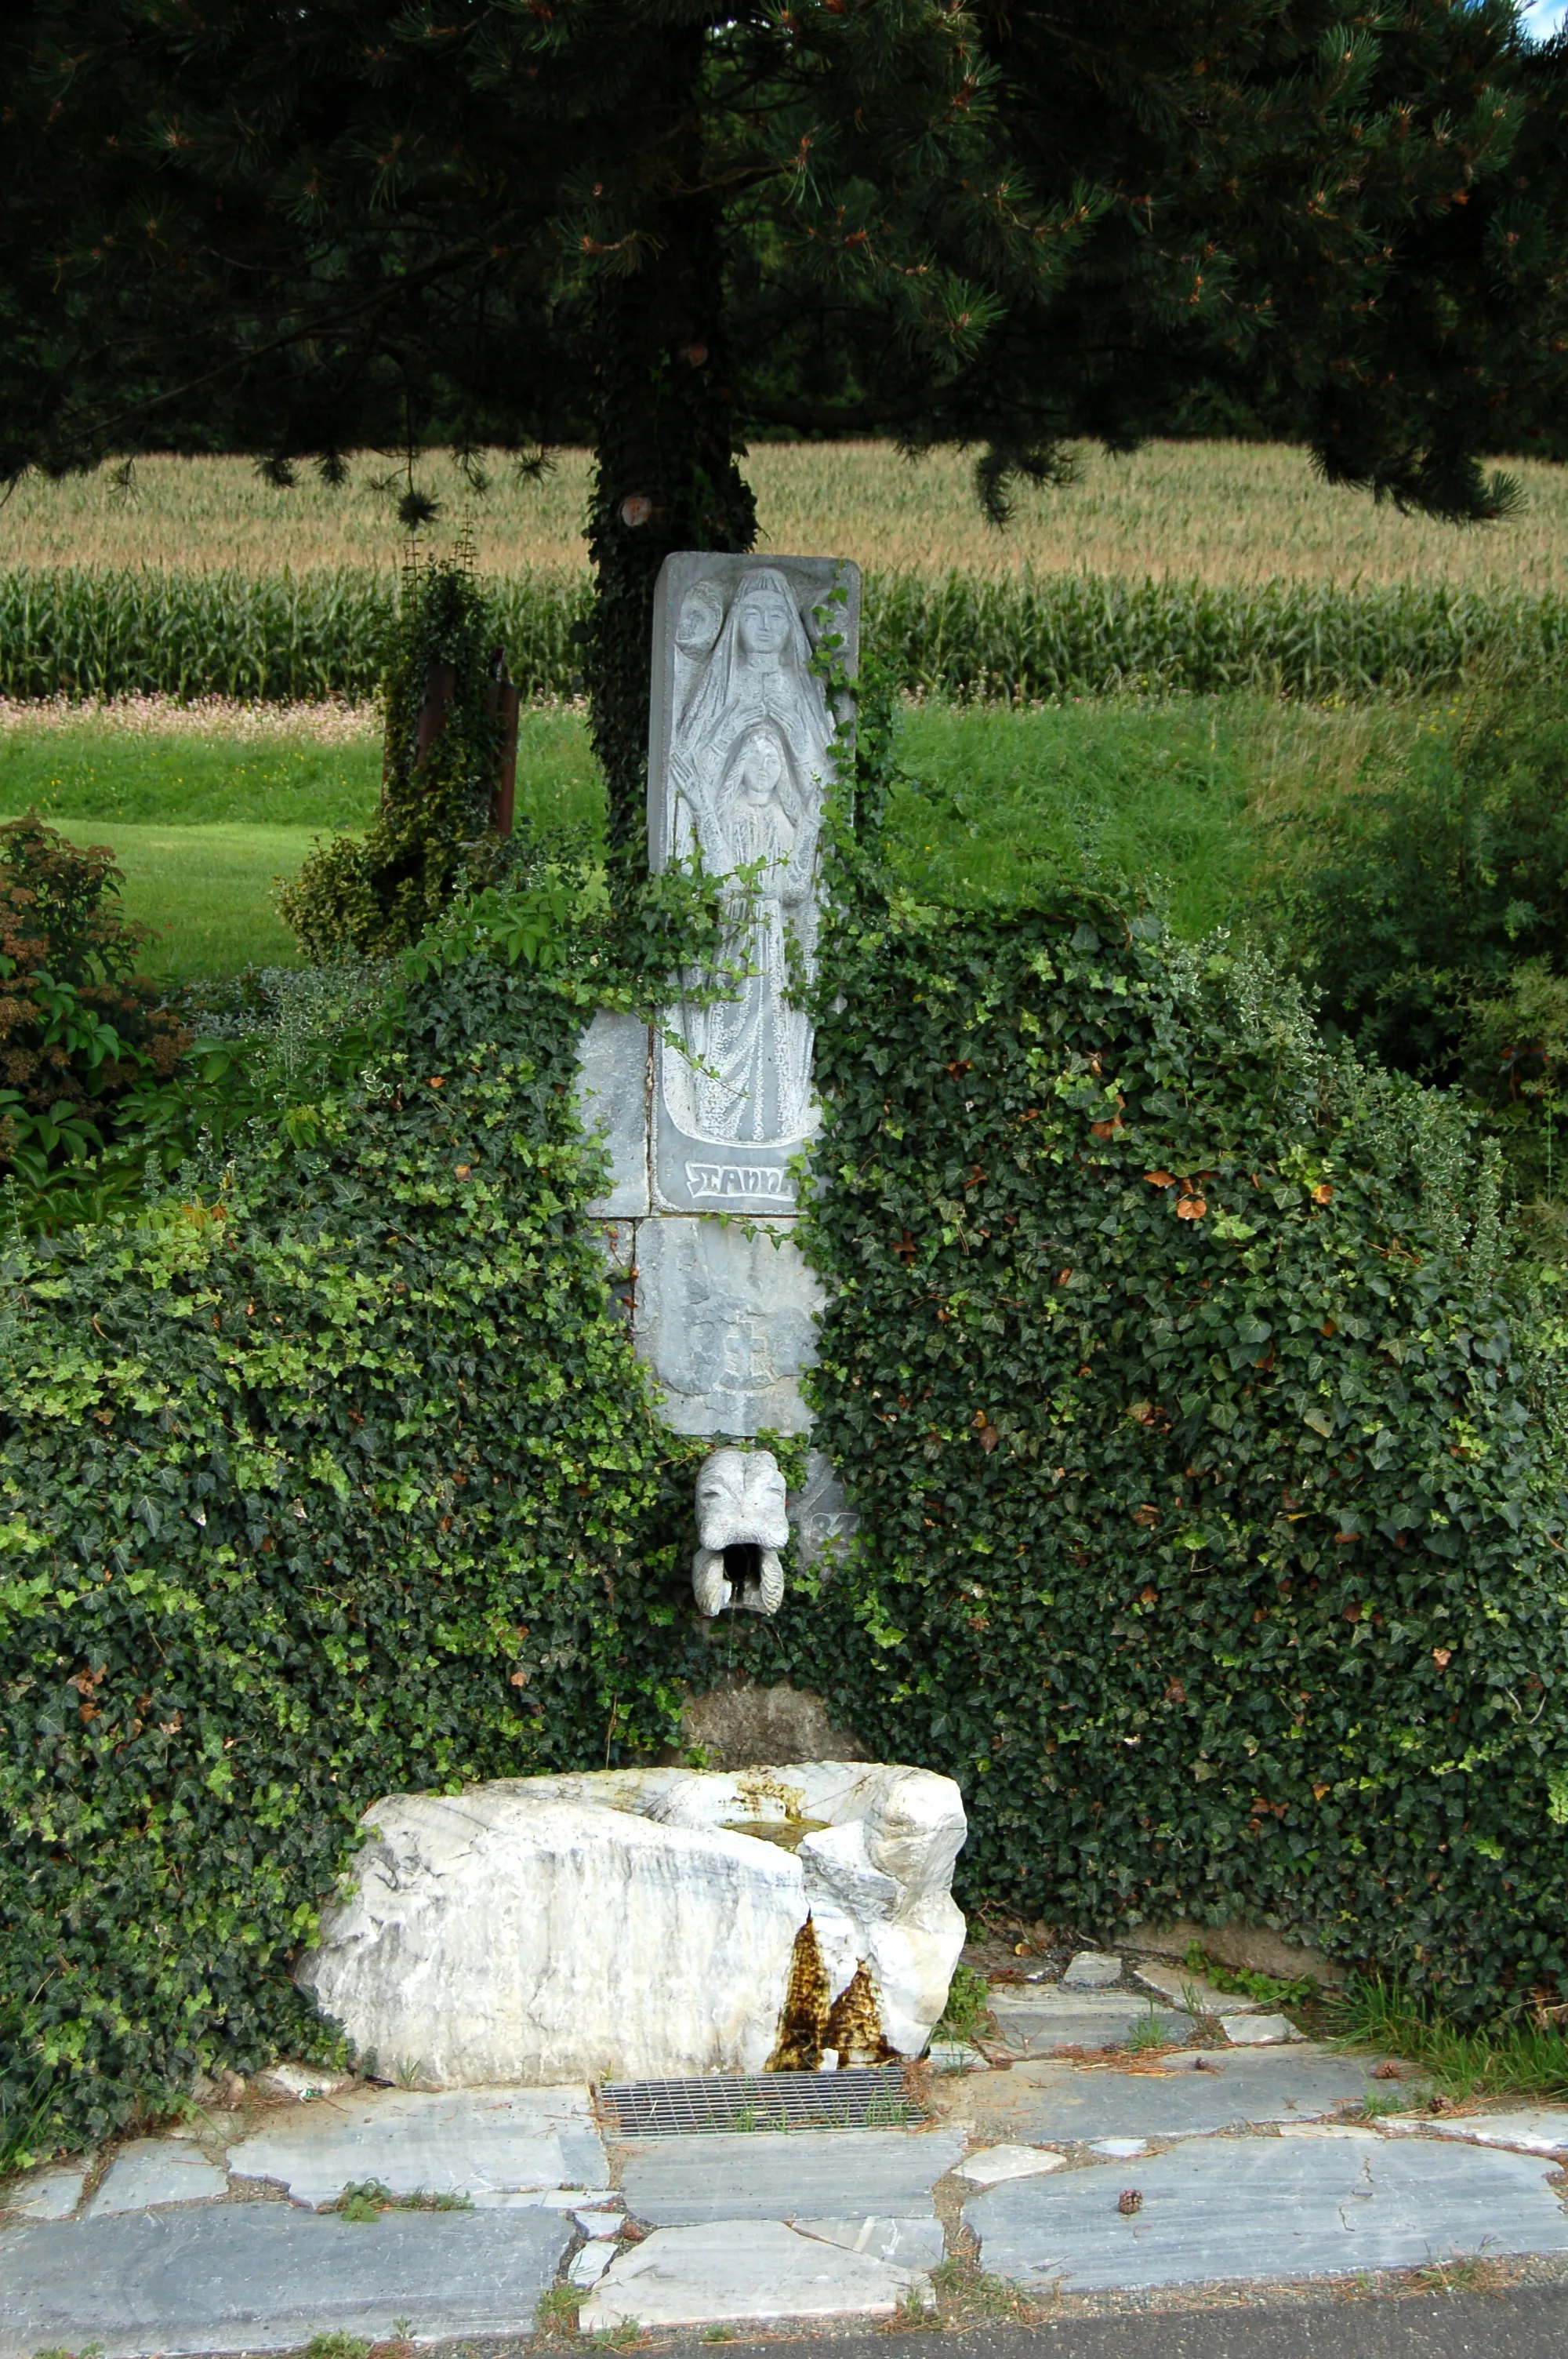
(748, 763)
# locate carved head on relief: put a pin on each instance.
(741, 1525)
(765, 614)
(701, 619)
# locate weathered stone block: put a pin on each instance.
(613, 1095)
(821, 1518)
(740, 1724)
(726, 1320)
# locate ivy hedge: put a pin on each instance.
(1211, 1486)
(332, 1477)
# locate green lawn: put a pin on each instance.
(207, 892)
(1181, 796)
(113, 776)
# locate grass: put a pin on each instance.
(207, 893)
(115, 775)
(1516, 2059)
(205, 826)
(1188, 797)
(969, 2296)
(559, 2307)
(968, 2011)
(1218, 512)
(367, 2199)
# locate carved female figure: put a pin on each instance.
(748, 759)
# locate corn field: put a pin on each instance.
(1233, 514)
(81, 634)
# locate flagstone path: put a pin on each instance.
(1118, 2173)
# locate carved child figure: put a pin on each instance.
(741, 1526)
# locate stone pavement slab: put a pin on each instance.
(463, 2142)
(1258, 2030)
(1534, 2129)
(1092, 1970)
(746, 2268)
(993, 2163)
(157, 2170)
(586, 2268)
(678, 2183)
(913, 2244)
(266, 2276)
(46, 2194)
(1261, 2208)
(1036, 2022)
(1186, 2097)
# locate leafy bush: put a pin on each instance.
(1417, 897)
(1211, 1501)
(335, 1477)
(432, 835)
(1432, 914)
(79, 1029)
(1211, 1489)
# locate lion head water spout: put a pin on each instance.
(741, 1526)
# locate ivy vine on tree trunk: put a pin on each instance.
(666, 476)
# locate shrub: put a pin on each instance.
(1211, 1486)
(1417, 898)
(1211, 1495)
(1432, 914)
(77, 1027)
(328, 1472)
(432, 836)
(336, 1477)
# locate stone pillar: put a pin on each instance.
(700, 1214)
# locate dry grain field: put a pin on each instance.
(1223, 513)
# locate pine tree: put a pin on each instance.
(665, 223)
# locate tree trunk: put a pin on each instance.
(666, 476)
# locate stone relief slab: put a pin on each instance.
(726, 1317)
(821, 1518)
(739, 761)
(612, 1097)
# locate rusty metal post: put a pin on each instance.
(505, 701)
(441, 687)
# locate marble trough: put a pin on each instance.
(639, 1924)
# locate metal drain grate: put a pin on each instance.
(871, 2097)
